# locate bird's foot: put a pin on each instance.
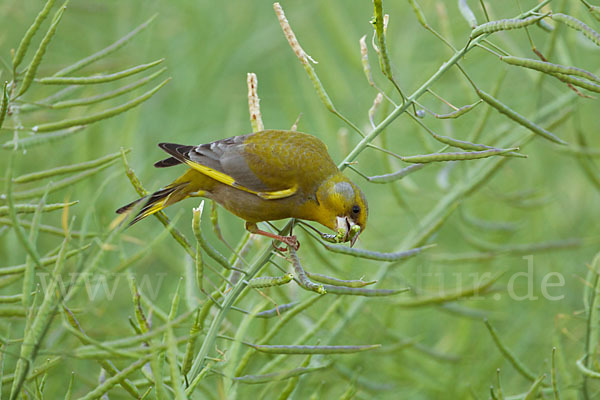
(290, 241)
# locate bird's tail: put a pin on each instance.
(157, 201)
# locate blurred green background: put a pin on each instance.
(209, 48)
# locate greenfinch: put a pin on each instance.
(264, 176)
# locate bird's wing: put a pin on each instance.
(227, 161)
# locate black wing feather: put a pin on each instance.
(167, 162)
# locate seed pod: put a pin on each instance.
(505, 25)
(467, 13)
(510, 113)
(459, 112)
(578, 82)
(576, 24)
(4, 106)
(267, 281)
(547, 67)
(303, 280)
(338, 282)
(332, 289)
(418, 12)
(88, 119)
(276, 311)
(455, 156)
(394, 176)
(91, 80)
(364, 58)
(305, 349)
(375, 255)
(202, 242)
(41, 50)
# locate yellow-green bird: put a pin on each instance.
(264, 176)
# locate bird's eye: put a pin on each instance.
(355, 209)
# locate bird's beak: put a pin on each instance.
(347, 230)
(354, 235)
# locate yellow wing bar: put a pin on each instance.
(228, 180)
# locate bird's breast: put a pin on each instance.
(253, 208)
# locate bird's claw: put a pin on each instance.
(290, 241)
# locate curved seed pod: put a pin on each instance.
(111, 112)
(338, 282)
(41, 50)
(384, 58)
(462, 144)
(39, 323)
(467, 155)
(108, 95)
(30, 208)
(586, 371)
(281, 322)
(576, 24)
(510, 113)
(418, 12)
(306, 60)
(459, 112)
(191, 345)
(592, 87)
(276, 311)
(267, 281)
(90, 80)
(4, 106)
(303, 280)
(467, 13)
(394, 176)
(15, 298)
(199, 267)
(305, 349)
(47, 229)
(364, 59)
(507, 353)
(286, 392)
(450, 296)
(210, 250)
(54, 186)
(24, 45)
(106, 51)
(505, 25)
(43, 138)
(545, 26)
(547, 67)
(46, 101)
(375, 255)
(34, 176)
(351, 291)
(254, 103)
(532, 393)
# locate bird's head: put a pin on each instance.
(343, 207)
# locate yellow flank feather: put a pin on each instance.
(278, 194)
(216, 175)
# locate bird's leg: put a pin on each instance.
(289, 240)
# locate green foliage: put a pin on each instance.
(469, 202)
